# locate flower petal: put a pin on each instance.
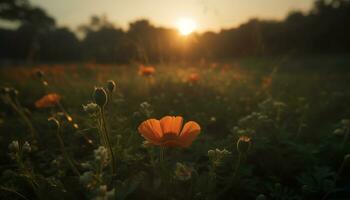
(189, 133)
(151, 130)
(171, 125)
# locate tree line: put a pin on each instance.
(325, 29)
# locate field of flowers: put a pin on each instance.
(245, 129)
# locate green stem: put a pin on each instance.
(228, 186)
(19, 109)
(238, 165)
(336, 178)
(101, 132)
(13, 191)
(108, 141)
(65, 153)
(68, 117)
(28, 173)
(161, 155)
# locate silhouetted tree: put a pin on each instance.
(324, 29)
(34, 24)
(105, 43)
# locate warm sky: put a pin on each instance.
(208, 14)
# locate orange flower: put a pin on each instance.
(244, 138)
(146, 70)
(214, 65)
(243, 144)
(48, 100)
(193, 78)
(168, 131)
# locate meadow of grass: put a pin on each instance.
(270, 129)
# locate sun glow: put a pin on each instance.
(186, 26)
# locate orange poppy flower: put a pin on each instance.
(168, 131)
(48, 101)
(193, 78)
(146, 70)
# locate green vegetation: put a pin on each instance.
(270, 129)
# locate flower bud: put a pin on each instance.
(53, 123)
(14, 146)
(111, 86)
(100, 97)
(243, 144)
(211, 154)
(338, 131)
(26, 147)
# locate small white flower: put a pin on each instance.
(26, 147)
(14, 146)
(90, 108)
(101, 155)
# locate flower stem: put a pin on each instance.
(19, 109)
(161, 155)
(65, 153)
(108, 141)
(28, 173)
(238, 165)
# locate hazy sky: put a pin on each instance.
(208, 14)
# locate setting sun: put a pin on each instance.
(186, 26)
